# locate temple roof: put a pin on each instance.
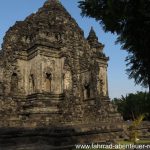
(93, 40)
(49, 22)
(92, 35)
(52, 2)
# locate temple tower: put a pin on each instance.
(53, 84)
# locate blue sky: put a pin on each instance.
(119, 84)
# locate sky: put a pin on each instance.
(119, 84)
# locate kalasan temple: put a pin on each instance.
(53, 85)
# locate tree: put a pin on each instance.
(130, 20)
(133, 105)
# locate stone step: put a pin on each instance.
(45, 96)
(41, 104)
(44, 110)
(49, 102)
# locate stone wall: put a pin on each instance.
(38, 70)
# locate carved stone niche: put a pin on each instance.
(67, 80)
(86, 85)
(31, 83)
(58, 36)
(32, 77)
(1, 88)
(87, 90)
(14, 83)
(48, 82)
(48, 77)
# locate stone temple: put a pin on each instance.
(53, 85)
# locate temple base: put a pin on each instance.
(51, 138)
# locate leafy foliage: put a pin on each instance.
(130, 20)
(133, 105)
(133, 132)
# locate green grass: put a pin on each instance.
(144, 142)
(139, 142)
